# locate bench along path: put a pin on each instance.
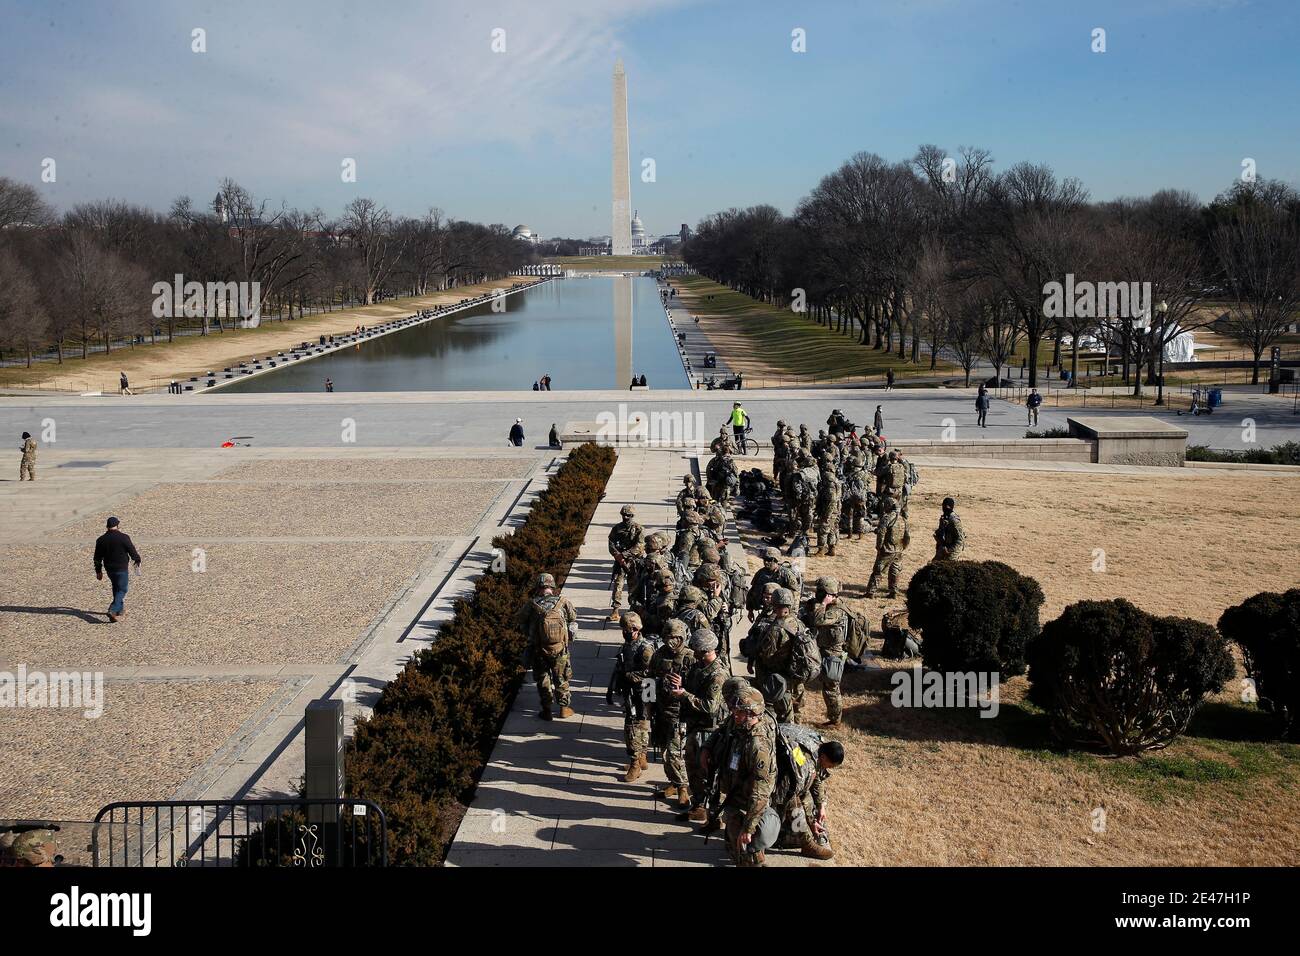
(552, 793)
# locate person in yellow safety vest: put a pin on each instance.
(739, 422)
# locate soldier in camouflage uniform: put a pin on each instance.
(949, 537)
(801, 797)
(664, 605)
(805, 440)
(27, 466)
(892, 539)
(688, 493)
(648, 568)
(672, 657)
(855, 493)
(771, 570)
(823, 615)
(700, 697)
(773, 654)
(723, 442)
(690, 609)
(633, 666)
(746, 769)
(830, 496)
(685, 548)
(721, 477)
(551, 623)
(626, 546)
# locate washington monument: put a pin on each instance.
(621, 237)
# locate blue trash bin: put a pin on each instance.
(1216, 397)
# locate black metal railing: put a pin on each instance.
(240, 833)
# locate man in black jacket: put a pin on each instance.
(113, 551)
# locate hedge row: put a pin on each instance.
(1287, 453)
(1108, 674)
(418, 755)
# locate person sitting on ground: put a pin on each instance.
(554, 437)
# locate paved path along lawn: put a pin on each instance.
(553, 793)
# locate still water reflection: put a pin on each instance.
(584, 333)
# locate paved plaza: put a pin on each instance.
(483, 419)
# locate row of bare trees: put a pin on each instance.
(947, 255)
(86, 279)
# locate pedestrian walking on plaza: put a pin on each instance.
(27, 465)
(889, 380)
(1032, 403)
(982, 407)
(123, 386)
(546, 383)
(517, 433)
(114, 552)
(879, 423)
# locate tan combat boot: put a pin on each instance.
(614, 616)
(699, 815)
(809, 847)
(566, 711)
(683, 798)
(633, 771)
(642, 762)
(669, 791)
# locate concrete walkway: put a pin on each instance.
(552, 793)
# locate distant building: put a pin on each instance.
(685, 234)
(525, 233)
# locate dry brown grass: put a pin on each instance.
(947, 787)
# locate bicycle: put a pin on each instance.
(747, 445)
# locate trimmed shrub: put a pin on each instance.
(1112, 676)
(1287, 453)
(1267, 629)
(433, 727)
(1049, 433)
(974, 615)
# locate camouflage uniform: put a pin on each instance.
(829, 501)
(801, 796)
(723, 442)
(634, 664)
(626, 544)
(949, 538)
(772, 655)
(720, 477)
(805, 499)
(27, 466)
(855, 493)
(746, 767)
(687, 494)
(702, 711)
(551, 671)
(672, 657)
(685, 548)
(892, 540)
(830, 624)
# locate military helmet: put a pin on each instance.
(667, 577)
(949, 503)
(545, 580)
(709, 551)
(691, 595)
(828, 585)
(631, 621)
(707, 573)
(750, 699)
(703, 641)
(771, 554)
(694, 517)
(675, 628)
(770, 588)
(731, 688)
(627, 511)
(780, 423)
(688, 479)
(783, 597)
(688, 505)
(654, 541)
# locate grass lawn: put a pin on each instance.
(769, 343)
(935, 786)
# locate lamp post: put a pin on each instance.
(1162, 307)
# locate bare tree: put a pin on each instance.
(23, 322)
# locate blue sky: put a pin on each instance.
(731, 115)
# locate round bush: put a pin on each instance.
(974, 615)
(1267, 629)
(1110, 675)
